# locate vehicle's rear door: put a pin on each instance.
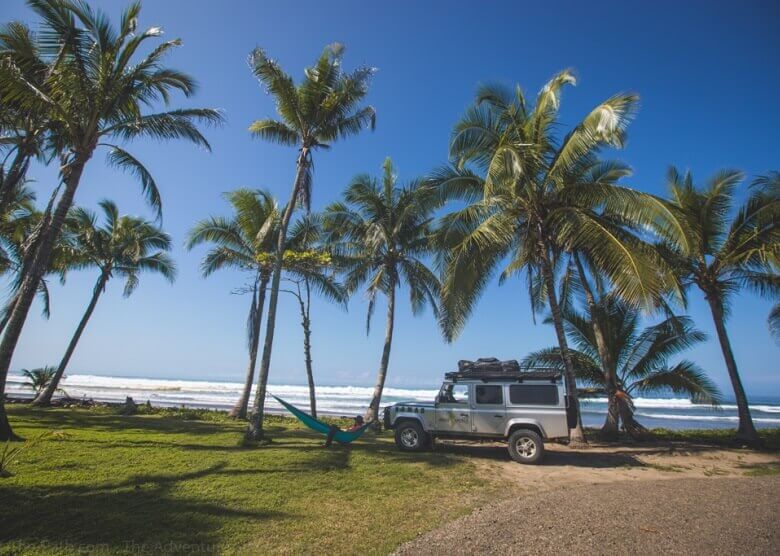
(488, 413)
(542, 403)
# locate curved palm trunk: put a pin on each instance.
(634, 428)
(258, 304)
(306, 323)
(577, 434)
(44, 398)
(255, 428)
(373, 408)
(746, 431)
(9, 308)
(29, 285)
(610, 429)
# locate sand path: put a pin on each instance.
(662, 498)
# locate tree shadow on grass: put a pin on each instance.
(379, 447)
(51, 418)
(139, 514)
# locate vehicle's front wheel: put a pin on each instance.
(410, 436)
(525, 446)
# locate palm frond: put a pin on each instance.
(119, 158)
(683, 378)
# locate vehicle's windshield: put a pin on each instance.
(454, 393)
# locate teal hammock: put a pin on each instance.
(344, 437)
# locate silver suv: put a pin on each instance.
(488, 401)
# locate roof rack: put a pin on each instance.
(538, 373)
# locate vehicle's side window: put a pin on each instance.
(489, 395)
(533, 394)
(454, 393)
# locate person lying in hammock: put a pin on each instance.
(334, 429)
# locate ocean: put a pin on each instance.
(671, 413)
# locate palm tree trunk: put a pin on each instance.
(8, 310)
(306, 323)
(611, 427)
(373, 407)
(258, 301)
(44, 398)
(746, 431)
(611, 423)
(577, 434)
(29, 283)
(255, 428)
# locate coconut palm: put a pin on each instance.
(310, 267)
(242, 242)
(379, 234)
(640, 361)
(18, 225)
(22, 128)
(530, 197)
(98, 92)
(123, 246)
(40, 378)
(588, 286)
(720, 254)
(324, 107)
(771, 182)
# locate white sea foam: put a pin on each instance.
(724, 418)
(682, 403)
(346, 400)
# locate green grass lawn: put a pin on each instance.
(770, 438)
(117, 484)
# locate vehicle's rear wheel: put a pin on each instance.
(525, 446)
(410, 436)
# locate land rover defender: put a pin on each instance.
(488, 400)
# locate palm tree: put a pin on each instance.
(97, 91)
(40, 378)
(23, 129)
(123, 246)
(309, 266)
(325, 106)
(771, 182)
(378, 235)
(720, 254)
(18, 225)
(639, 360)
(532, 197)
(577, 281)
(16, 220)
(241, 242)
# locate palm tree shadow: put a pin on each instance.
(377, 447)
(135, 514)
(574, 458)
(50, 418)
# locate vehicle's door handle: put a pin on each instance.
(498, 416)
(464, 414)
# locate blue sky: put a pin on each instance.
(706, 73)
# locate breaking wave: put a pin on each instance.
(350, 400)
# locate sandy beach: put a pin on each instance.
(651, 498)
